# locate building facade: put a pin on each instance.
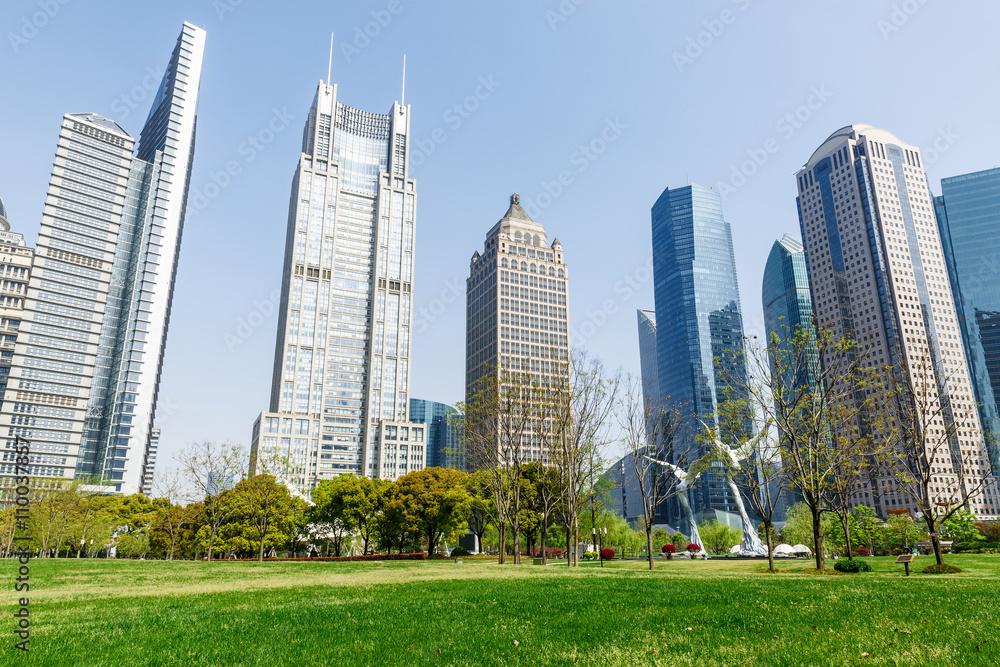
(443, 442)
(517, 311)
(15, 267)
(648, 367)
(699, 327)
(968, 215)
(878, 274)
(86, 367)
(340, 379)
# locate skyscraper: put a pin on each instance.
(968, 215)
(877, 273)
(15, 266)
(699, 325)
(517, 315)
(87, 363)
(341, 378)
(647, 357)
(442, 442)
(785, 291)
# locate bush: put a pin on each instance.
(852, 566)
(694, 548)
(668, 549)
(941, 569)
(863, 551)
(976, 547)
(608, 554)
(460, 551)
(590, 555)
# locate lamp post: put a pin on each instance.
(593, 534)
(604, 535)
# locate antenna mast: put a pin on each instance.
(329, 67)
(402, 101)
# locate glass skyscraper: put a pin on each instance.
(699, 326)
(443, 445)
(86, 369)
(785, 291)
(341, 373)
(968, 215)
(647, 357)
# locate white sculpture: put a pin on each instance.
(682, 496)
(752, 546)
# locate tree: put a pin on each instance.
(651, 434)
(357, 501)
(719, 537)
(548, 493)
(866, 526)
(939, 464)
(211, 469)
(960, 527)
(434, 502)
(171, 515)
(265, 505)
(483, 511)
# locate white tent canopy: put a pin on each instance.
(735, 549)
(784, 549)
(802, 549)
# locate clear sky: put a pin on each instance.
(617, 98)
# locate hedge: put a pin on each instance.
(975, 547)
(416, 556)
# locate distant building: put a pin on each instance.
(443, 443)
(968, 216)
(699, 328)
(647, 357)
(15, 268)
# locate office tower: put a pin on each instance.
(443, 445)
(785, 291)
(154, 445)
(88, 359)
(878, 274)
(341, 378)
(968, 215)
(647, 357)
(699, 327)
(517, 316)
(15, 266)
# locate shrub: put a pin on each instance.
(668, 549)
(976, 547)
(852, 566)
(694, 548)
(460, 551)
(608, 554)
(941, 569)
(863, 551)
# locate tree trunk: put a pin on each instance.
(543, 543)
(260, 551)
(649, 543)
(502, 534)
(770, 546)
(818, 538)
(936, 543)
(211, 543)
(845, 522)
(569, 542)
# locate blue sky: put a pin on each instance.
(615, 99)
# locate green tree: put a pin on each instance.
(961, 527)
(356, 501)
(866, 526)
(719, 537)
(265, 506)
(434, 502)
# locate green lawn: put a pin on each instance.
(97, 612)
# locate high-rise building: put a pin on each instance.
(699, 327)
(443, 444)
(86, 368)
(878, 274)
(517, 314)
(785, 291)
(968, 215)
(341, 374)
(15, 267)
(647, 357)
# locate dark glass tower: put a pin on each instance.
(968, 214)
(442, 443)
(699, 326)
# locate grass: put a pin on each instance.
(716, 612)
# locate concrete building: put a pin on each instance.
(699, 328)
(15, 267)
(340, 378)
(968, 215)
(85, 375)
(878, 273)
(517, 313)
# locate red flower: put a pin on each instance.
(668, 549)
(862, 551)
(608, 554)
(694, 548)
